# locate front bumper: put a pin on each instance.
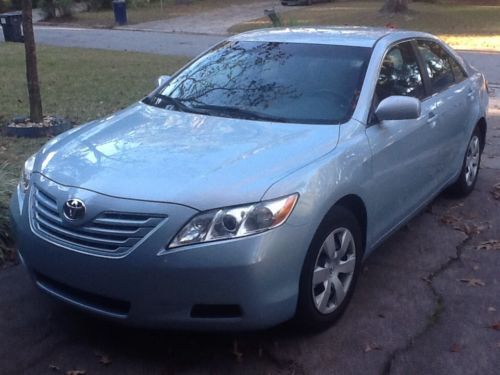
(247, 283)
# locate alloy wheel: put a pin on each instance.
(333, 270)
(472, 160)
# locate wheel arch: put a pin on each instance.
(357, 207)
(481, 125)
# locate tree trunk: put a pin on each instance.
(395, 6)
(36, 114)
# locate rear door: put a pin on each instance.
(450, 89)
(403, 151)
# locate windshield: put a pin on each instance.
(283, 82)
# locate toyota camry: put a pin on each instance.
(248, 188)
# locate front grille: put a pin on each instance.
(116, 232)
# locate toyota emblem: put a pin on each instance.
(74, 209)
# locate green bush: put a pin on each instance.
(4, 5)
(100, 4)
(16, 4)
(57, 8)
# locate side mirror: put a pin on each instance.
(162, 80)
(398, 108)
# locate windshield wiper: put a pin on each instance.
(211, 109)
(239, 112)
(176, 103)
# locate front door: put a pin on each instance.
(404, 152)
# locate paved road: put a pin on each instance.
(125, 40)
(216, 21)
(185, 44)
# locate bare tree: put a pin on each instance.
(395, 6)
(36, 114)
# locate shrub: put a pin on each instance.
(100, 4)
(4, 6)
(57, 8)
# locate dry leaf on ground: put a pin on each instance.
(489, 245)
(496, 191)
(371, 347)
(104, 359)
(473, 282)
(449, 219)
(236, 352)
(455, 348)
(495, 326)
(472, 229)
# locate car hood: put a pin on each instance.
(200, 161)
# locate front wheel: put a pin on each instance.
(470, 167)
(330, 270)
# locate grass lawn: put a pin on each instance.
(78, 84)
(463, 26)
(150, 12)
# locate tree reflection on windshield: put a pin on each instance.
(290, 82)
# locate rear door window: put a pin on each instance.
(438, 65)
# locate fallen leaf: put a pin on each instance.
(427, 279)
(54, 368)
(236, 352)
(105, 360)
(491, 309)
(449, 219)
(496, 191)
(76, 372)
(473, 282)
(495, 326)
(371, 347)
(489, 245)
(455, 348)
(470, 229)
(382, 316)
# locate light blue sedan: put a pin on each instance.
(247, 189)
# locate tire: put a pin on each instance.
(317, 309)
(470, 167)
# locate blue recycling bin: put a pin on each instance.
(12, 25)
(120, 11)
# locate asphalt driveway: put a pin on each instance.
(428, 302)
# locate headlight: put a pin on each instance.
(235, 222)
(26, 173)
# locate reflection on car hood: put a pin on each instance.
(200, 161)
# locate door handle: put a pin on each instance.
(431, 117)
(470, 93)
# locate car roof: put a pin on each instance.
(359, 36)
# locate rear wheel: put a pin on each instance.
(470, 167)
(330, 270)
